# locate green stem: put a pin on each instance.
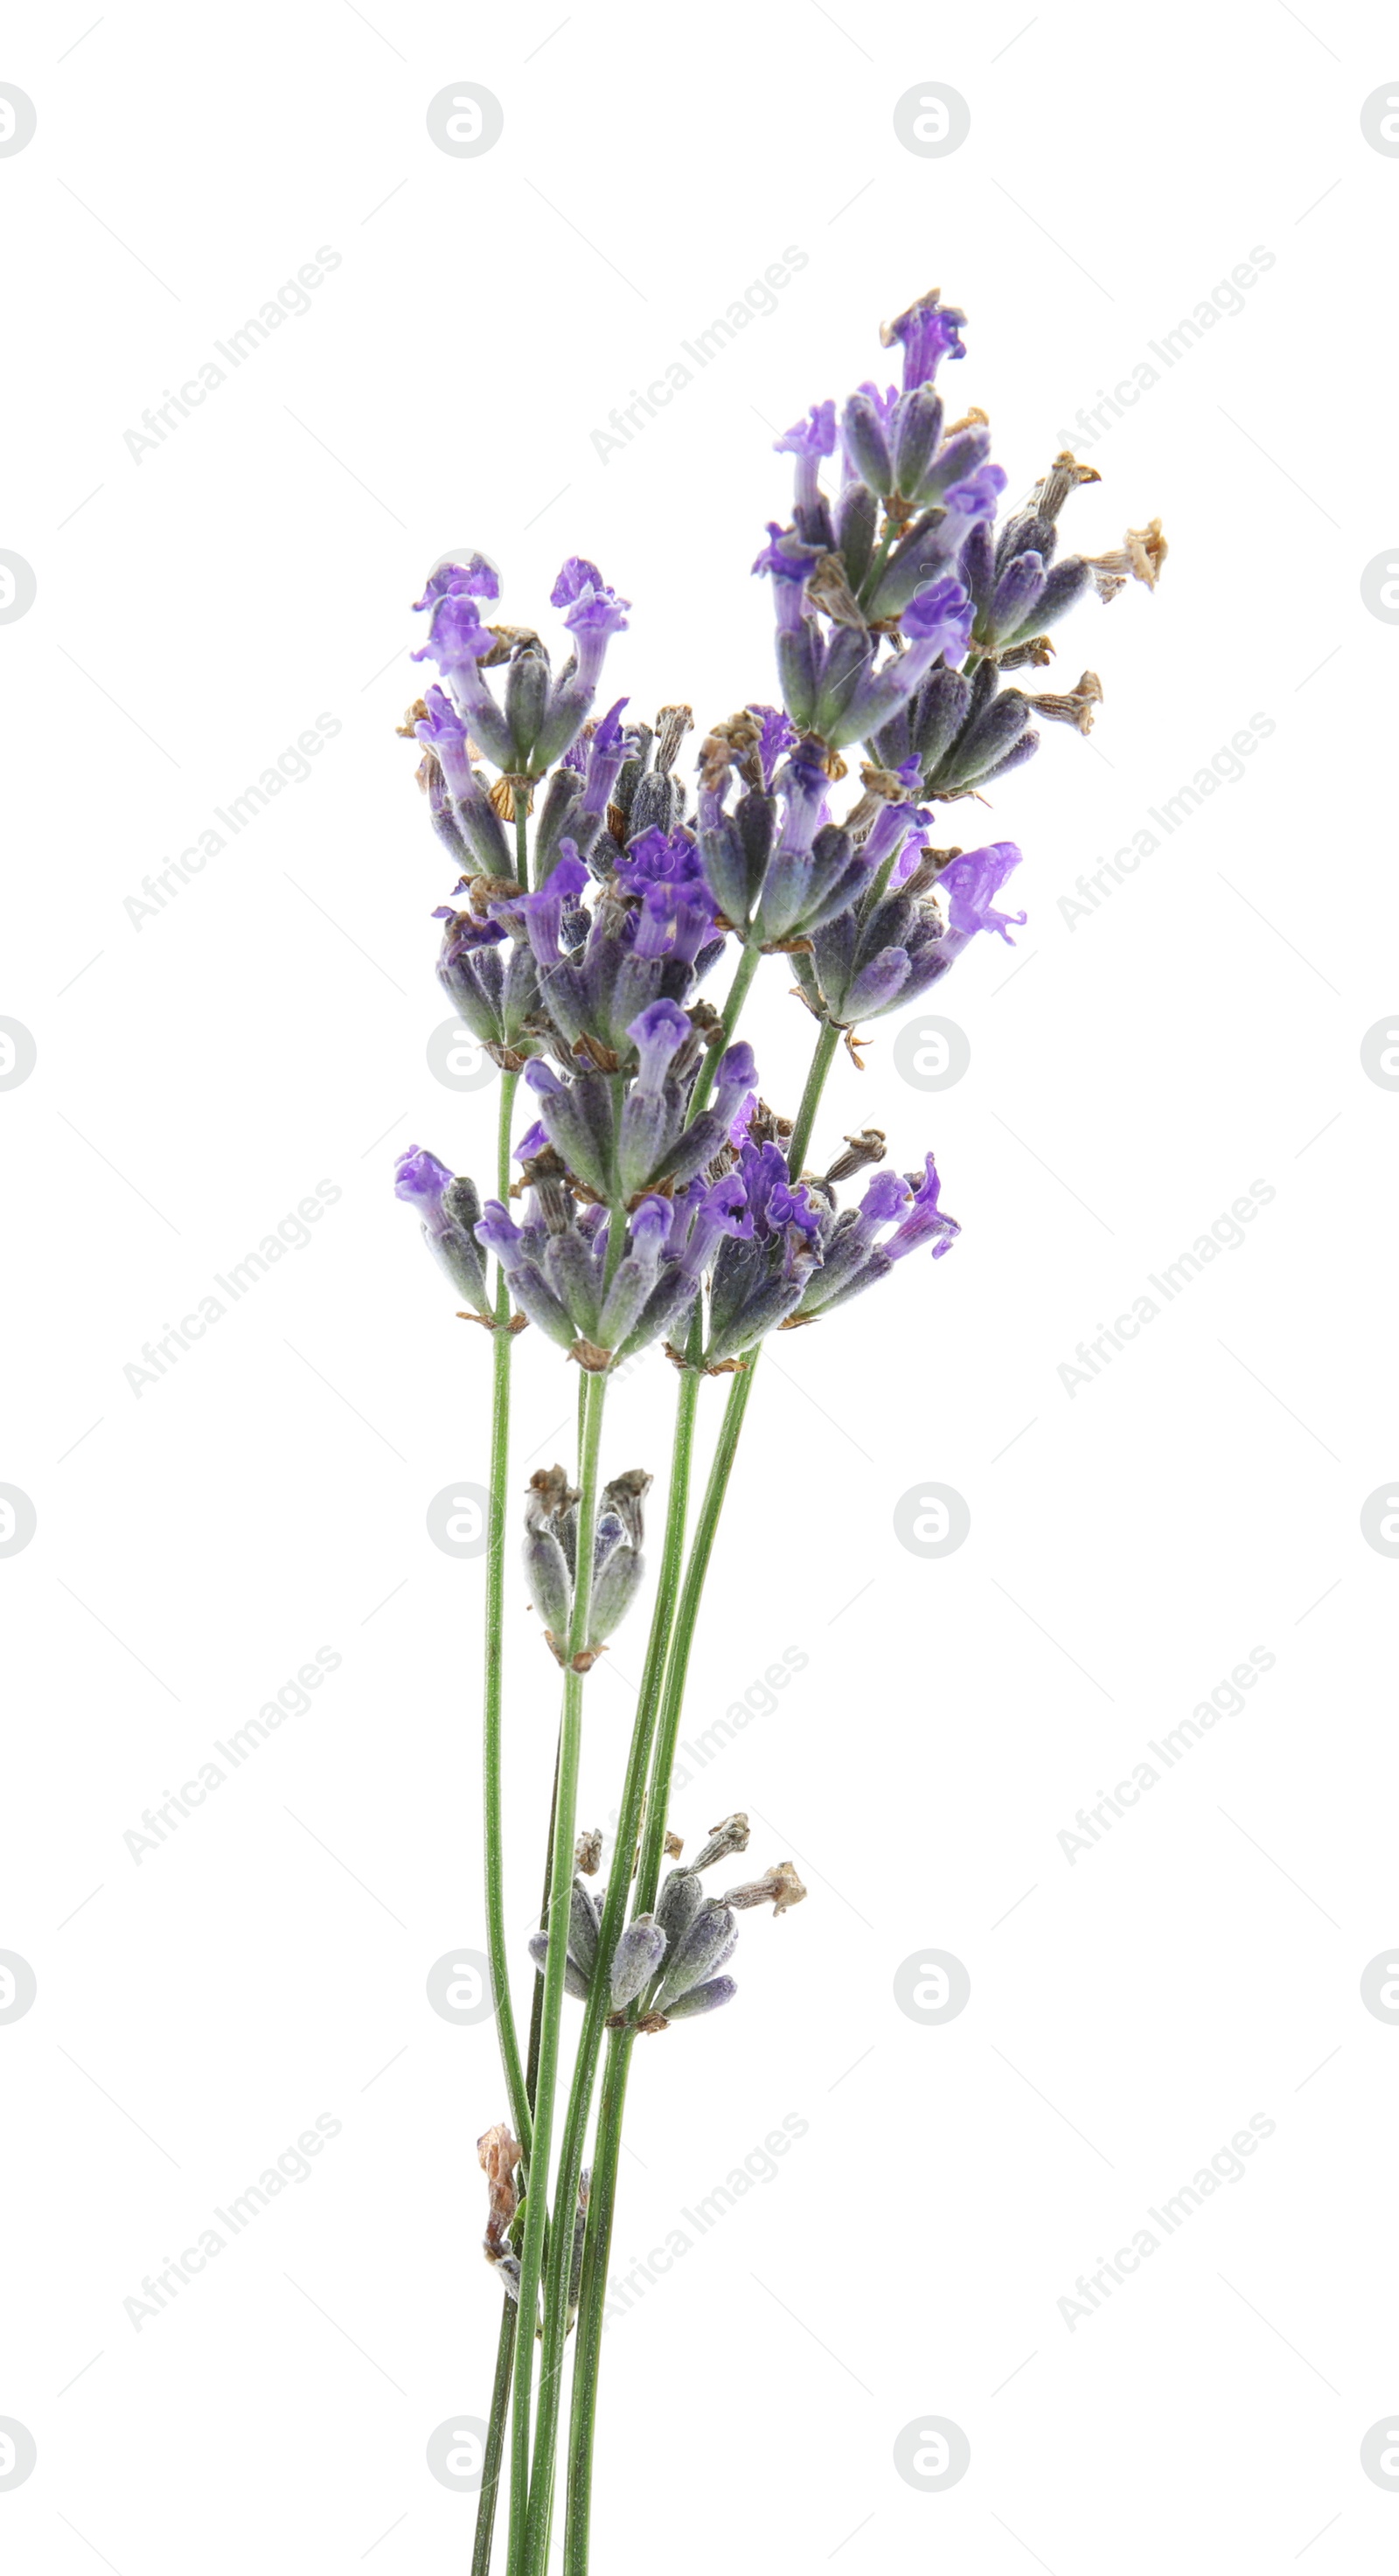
(565, 1822)
(882, 552)
(502, 1341)
(821, 1062)
(607, 2148)
(678, 1664)
(521, 835)
(596, 2258)
(495, 2441)
(744, 973)
(502, 1346)
(599, 1999)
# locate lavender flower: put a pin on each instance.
(449, 1210)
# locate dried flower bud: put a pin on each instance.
(779, 1886)
(625, 1496)
(1139, 558)
(1073, 706)
(498, 2153)
(673, 1845)
(729, 1836)
(636, 1958)
(587, 1851)
(868, 1147)
(672, 725)
(1037, 652)
(552, 1495)
(1053, 490)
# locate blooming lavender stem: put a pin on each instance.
(660, 1194)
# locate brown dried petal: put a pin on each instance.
(1074, 706)
(779, 1886)
(499, 2154)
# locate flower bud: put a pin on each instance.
(636, 1958)
(614, 1591)
(575, 1983)
(680, 1901)
(701, 1999)
(706, 1946)
(526, 694)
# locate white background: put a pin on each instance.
(1129, 1545)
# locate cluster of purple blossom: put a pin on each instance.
(657, 1195)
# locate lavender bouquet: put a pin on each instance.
(660, 1198)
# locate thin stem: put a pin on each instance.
(502, 1340)
(744, 973)
(678, 1664)
(882, 552)
(495, 2441)
(592, 2294)
(607, 2148)
(565, 1822)
(516, 2084)
(599, 1999)
(521, 834)
(821, 1062)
